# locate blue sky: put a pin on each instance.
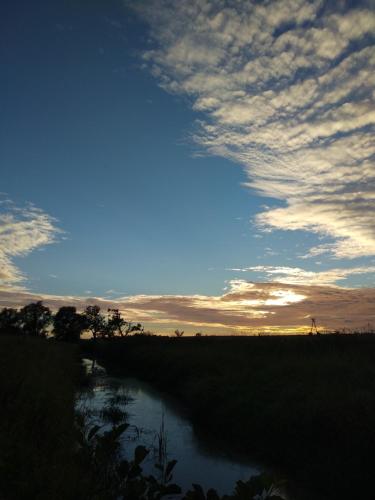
(185, 149)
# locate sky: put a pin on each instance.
(201, 165)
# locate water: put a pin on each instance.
(147, 408)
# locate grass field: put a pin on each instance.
(306, 404)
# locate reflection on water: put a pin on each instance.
(146, 410)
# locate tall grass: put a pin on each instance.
(37, 388)
(306, 404)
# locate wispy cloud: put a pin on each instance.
(296, 275)
(22, 230)
(286, 89)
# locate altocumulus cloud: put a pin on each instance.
(286, 89)
(22, 230)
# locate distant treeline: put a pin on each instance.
(37, 320)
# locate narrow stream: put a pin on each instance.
(147, 410)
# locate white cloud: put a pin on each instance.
(22, 230)
(298, 276)
(288, 92)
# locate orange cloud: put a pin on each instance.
(244, 308)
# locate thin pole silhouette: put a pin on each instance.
(313, 327)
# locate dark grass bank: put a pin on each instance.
(305, 404)
(38, 381)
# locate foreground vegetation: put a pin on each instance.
(51, 451)
(37, 391)
(305, 403)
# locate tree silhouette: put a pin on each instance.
(135, 328)
(34, 319)
(116, 324)
(68, 324)
(95, 321)
(179, 333)
(9, 321)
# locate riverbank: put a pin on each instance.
(149, 411)
(306, 404)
